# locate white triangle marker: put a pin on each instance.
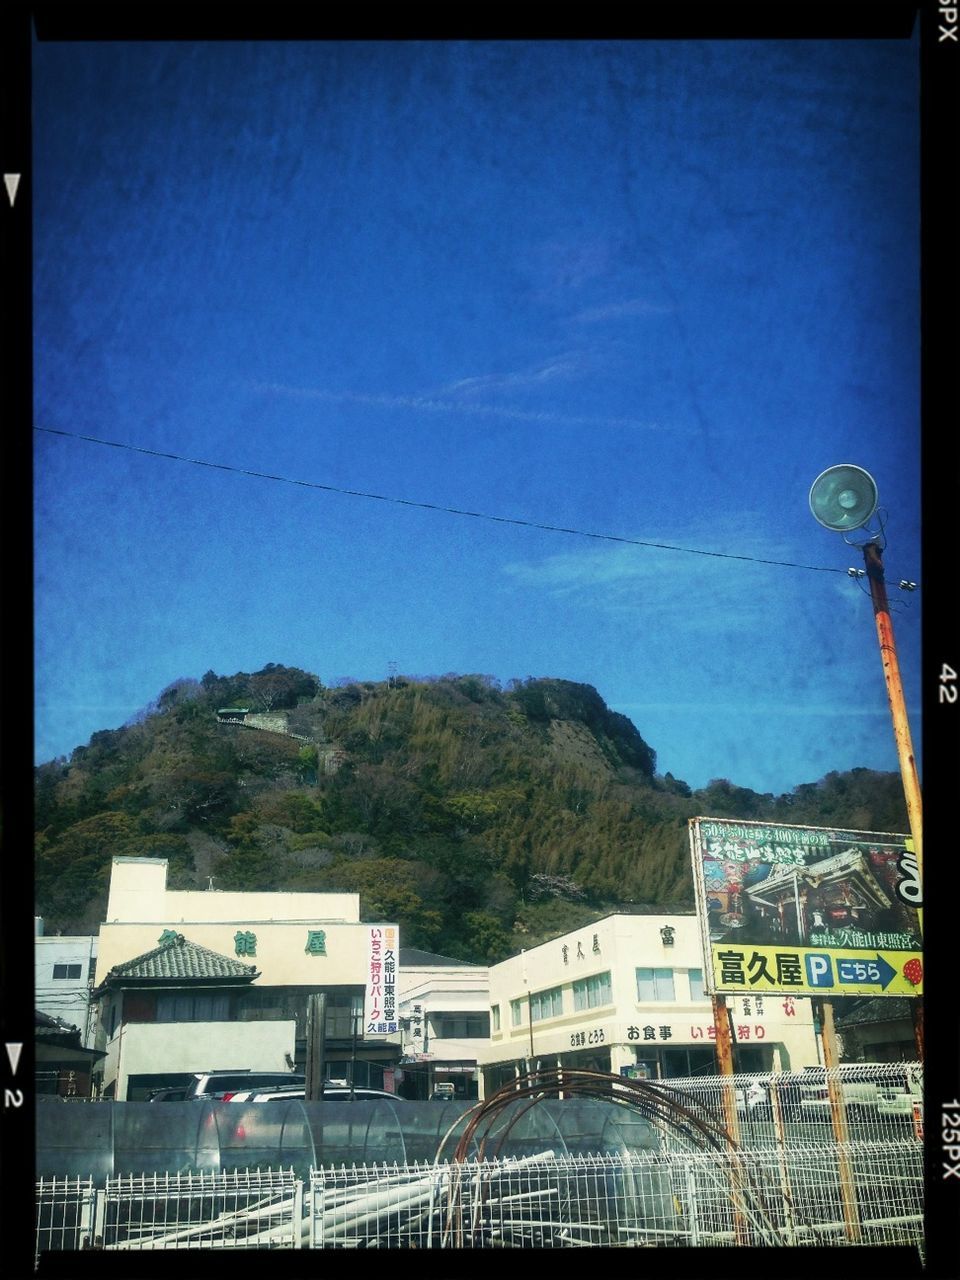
(13, 1053)
(11, 181)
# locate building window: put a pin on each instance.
(66, 971)
(546, 1004)
(495, 1016)
(516, 1012)
(460, 1026)
(695, 977)
(181, 1006)
(344, 1017)
(592, 992)
(655, 984)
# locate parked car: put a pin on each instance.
(753, 1098)
(220, 1086)
(899, 1092)
(169, 1095)
(860, 1084)
(335, 1093)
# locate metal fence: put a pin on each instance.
(808, 1165)
(857, 1194)
(246, 1209)
(879, 1102)
(65, 1214)
(865, 1193)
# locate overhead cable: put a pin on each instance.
(433, 506)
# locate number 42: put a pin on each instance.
(948, 687)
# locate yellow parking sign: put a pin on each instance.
(809, 971)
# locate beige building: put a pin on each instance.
(208, 980)
(626, 995)
(445, 1021)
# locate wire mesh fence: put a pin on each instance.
(857, 1193)
(65, 1214)
(857, 1102)
(814, 1158)
(244, 1209)
(869, 1193)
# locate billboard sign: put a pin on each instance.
(380, 996)
(811, 911)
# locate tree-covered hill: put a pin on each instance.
(482, 819)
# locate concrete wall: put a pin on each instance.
(145, 1048)
(140, 908)
(138, 892)
(281, 955)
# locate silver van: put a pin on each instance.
(219, 1086)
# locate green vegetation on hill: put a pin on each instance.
(481, 819)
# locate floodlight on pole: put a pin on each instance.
(844, 498)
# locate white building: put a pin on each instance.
(63, 977)
(206, 980)
(625, 995)
(444, 1019)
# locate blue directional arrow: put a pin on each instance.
(866, 973)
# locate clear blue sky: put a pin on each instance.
(644, 289)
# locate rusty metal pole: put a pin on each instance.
(724, 1043)
(838, 1119)
(873, 561)
(891, 673)
(721, 1022)
(917, 1007)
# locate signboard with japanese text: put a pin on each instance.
(380, 995)
(811, 911)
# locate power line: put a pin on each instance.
(432, 506)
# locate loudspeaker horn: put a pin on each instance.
(843, 497)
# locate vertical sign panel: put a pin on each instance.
(380, 996)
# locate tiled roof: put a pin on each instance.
(45, 1025)
(179, 958)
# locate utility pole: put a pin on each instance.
(844, 498)
(838, 1118)
(724, 1042)
(315, 1069)
(891, 673)
(873, 561)
(353, 1048)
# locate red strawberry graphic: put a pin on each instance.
(913, 972)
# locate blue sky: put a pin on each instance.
(643, 289)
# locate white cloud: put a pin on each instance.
(687, 590)
(430, 404)
(567, 365)
(617, 310)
